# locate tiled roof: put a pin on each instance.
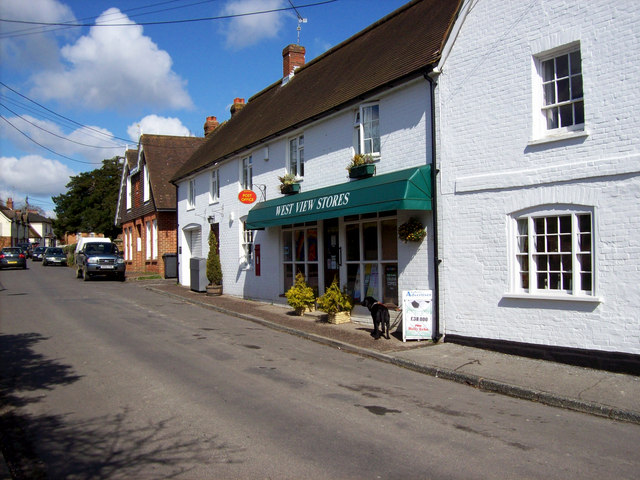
(404, 44)
(163, 155)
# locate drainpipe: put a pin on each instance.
(434, 208)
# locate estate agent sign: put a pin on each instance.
(417, 315)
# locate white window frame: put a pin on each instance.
(248, 239)
(191, 194)
(541, 129)
(146, 189)
(295, 165)
(148, 240)
(363, 128)
(154, 244)
(565, 268)
(128, 194)
(214, 186)
(130, 243)
(246, 175)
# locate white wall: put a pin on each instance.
(405, 129)
(490, 168)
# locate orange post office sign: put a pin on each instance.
(247, 196)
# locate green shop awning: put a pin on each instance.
(403, 190)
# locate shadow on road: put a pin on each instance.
(106, 446)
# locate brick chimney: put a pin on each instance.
(292, 58)
(238, 104)
(210, 125)
(10, 203)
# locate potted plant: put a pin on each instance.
(214, 270)
(300, 296)
(361, 166)
(411, 231)
(336, 303)
(289, 184)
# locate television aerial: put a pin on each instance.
(301, 20)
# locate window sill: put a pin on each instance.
(562, 298)
(557, 137)
(190, 208)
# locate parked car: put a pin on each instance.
(27, 249)
(13, 257)
(100, 258)
(54, 256)
(37, 254)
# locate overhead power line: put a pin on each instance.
(166, 22)
(41, 29)
(55, 134)
(47, 148)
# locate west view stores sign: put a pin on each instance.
(403, 190)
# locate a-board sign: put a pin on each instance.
(417, 315)
(247, 196)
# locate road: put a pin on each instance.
(108, 380)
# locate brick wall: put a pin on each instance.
(166, 242)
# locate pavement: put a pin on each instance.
(596, 392)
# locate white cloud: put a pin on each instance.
(33, 175)
(114, 68)
(84, 144)
(241, 32)
(153, 124)
(20, 47)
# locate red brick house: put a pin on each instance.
(147, 201)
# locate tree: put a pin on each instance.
(214, 269)
(90, 203)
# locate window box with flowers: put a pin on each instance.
(289, 184)
(411, 231)
(361, 166)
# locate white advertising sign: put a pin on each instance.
(417, 315)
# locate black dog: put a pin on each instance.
(380, 315)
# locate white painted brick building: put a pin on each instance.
(539, 182)
(319, 116)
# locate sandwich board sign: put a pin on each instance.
(417, 315)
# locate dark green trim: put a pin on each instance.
(403, 190)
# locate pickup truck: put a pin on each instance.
(100, 259)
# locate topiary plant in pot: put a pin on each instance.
(336, 303)
(300, 296)
(214, 269)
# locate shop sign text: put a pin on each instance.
(313, 205)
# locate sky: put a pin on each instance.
(71, 96)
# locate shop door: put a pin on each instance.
(332, 252)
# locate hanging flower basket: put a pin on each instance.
(411, 231)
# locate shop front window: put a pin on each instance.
(372, 257)
(300, 254)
